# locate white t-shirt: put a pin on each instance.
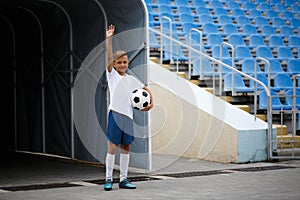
(120, 90)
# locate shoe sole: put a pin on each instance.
(107, 189)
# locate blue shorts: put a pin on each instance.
(120, 128)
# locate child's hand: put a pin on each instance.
(110, 31)
(148, 107)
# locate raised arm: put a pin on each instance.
(109, 60)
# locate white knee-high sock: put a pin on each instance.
(124, 162)
(110, 163)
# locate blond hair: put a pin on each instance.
(118, 54)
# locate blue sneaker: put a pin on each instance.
(108, 185)
(126, 184)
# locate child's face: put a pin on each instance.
(121, 64)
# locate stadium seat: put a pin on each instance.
(230, 28)
(276, 103)
(289, 2)
(215, 4)
(198, 3)
(186, 18)
(264, 79)
(235, 39)
(186, 27)
(202, 11)
(170, 16)
(232, 5)
(224, 19)
(264, 52)
(267, 30)
(288, 15)
(254, 13)
(249, 6)
(248, 67)
(295, 23)
(203, 19)
(220, 11)
(264, 6)
(181, 2)
(184, 10)
(164, 2)
(286, 30)
(249, 29)
(225, 70)
(273, 2)
(242, 20)
(239, 84)
(209, 28)
(164, 8)
(256, 40)
(277, 22)
(293, 66)
(280, 7)
(215, 50)
(237, 12)
(283, 81)
(296, 8)
(275, 41)
(154, 44)
(289, 99)
(271, 14)
(285, 53)
(207, 68)
(214, 39)
(261, 21)
(242, 52)
(275, 67)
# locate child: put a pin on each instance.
(120, 117)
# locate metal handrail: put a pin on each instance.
(161, 39)
(232, 64)
(190, 44)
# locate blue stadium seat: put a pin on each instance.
(207, 68)
(275, 67)
(280, 7)
(271, 14)
(264, 52)
(256, 40)
(225, 70)
(232, 5)
(264, 79)
(277, 22)
(264, 6)
(289, 2)
(224, 19)
(276, 103)
(267, 30)
(242, 52)
(220, 11)
(275, 41)
(296, 8)
(181, 2)
(283, 81)
(295, 23)
(289, 98)
(238, 12)
(154, 44)
(293, 66)
(273, 2)
(198, 3)
(248, 67)
(186, 18)
(203, 19)
(215, 4)
(249, 29)
(184, 10)
(209, 28)
(285, 53)
(288, 15)
(202, 11)
(261, 21)
(215, 51)
(286, 30)
(254, 13)
(186, 27)
(239, 84)
(163, 8)
(165, 2)
(249, 6)
(242, 20)
(214, 39)
(235, 39)
(230, 28)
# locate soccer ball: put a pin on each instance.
(140, 99)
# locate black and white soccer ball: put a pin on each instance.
(140, 99)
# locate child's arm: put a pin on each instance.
(151, 99)
(109, 33)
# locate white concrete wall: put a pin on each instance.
(188, 121)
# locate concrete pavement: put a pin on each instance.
(35, 178)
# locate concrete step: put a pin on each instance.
(285, 141)
(244, 107)
(281, 129)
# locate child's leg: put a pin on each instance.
(110, 160)
(124, 161)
